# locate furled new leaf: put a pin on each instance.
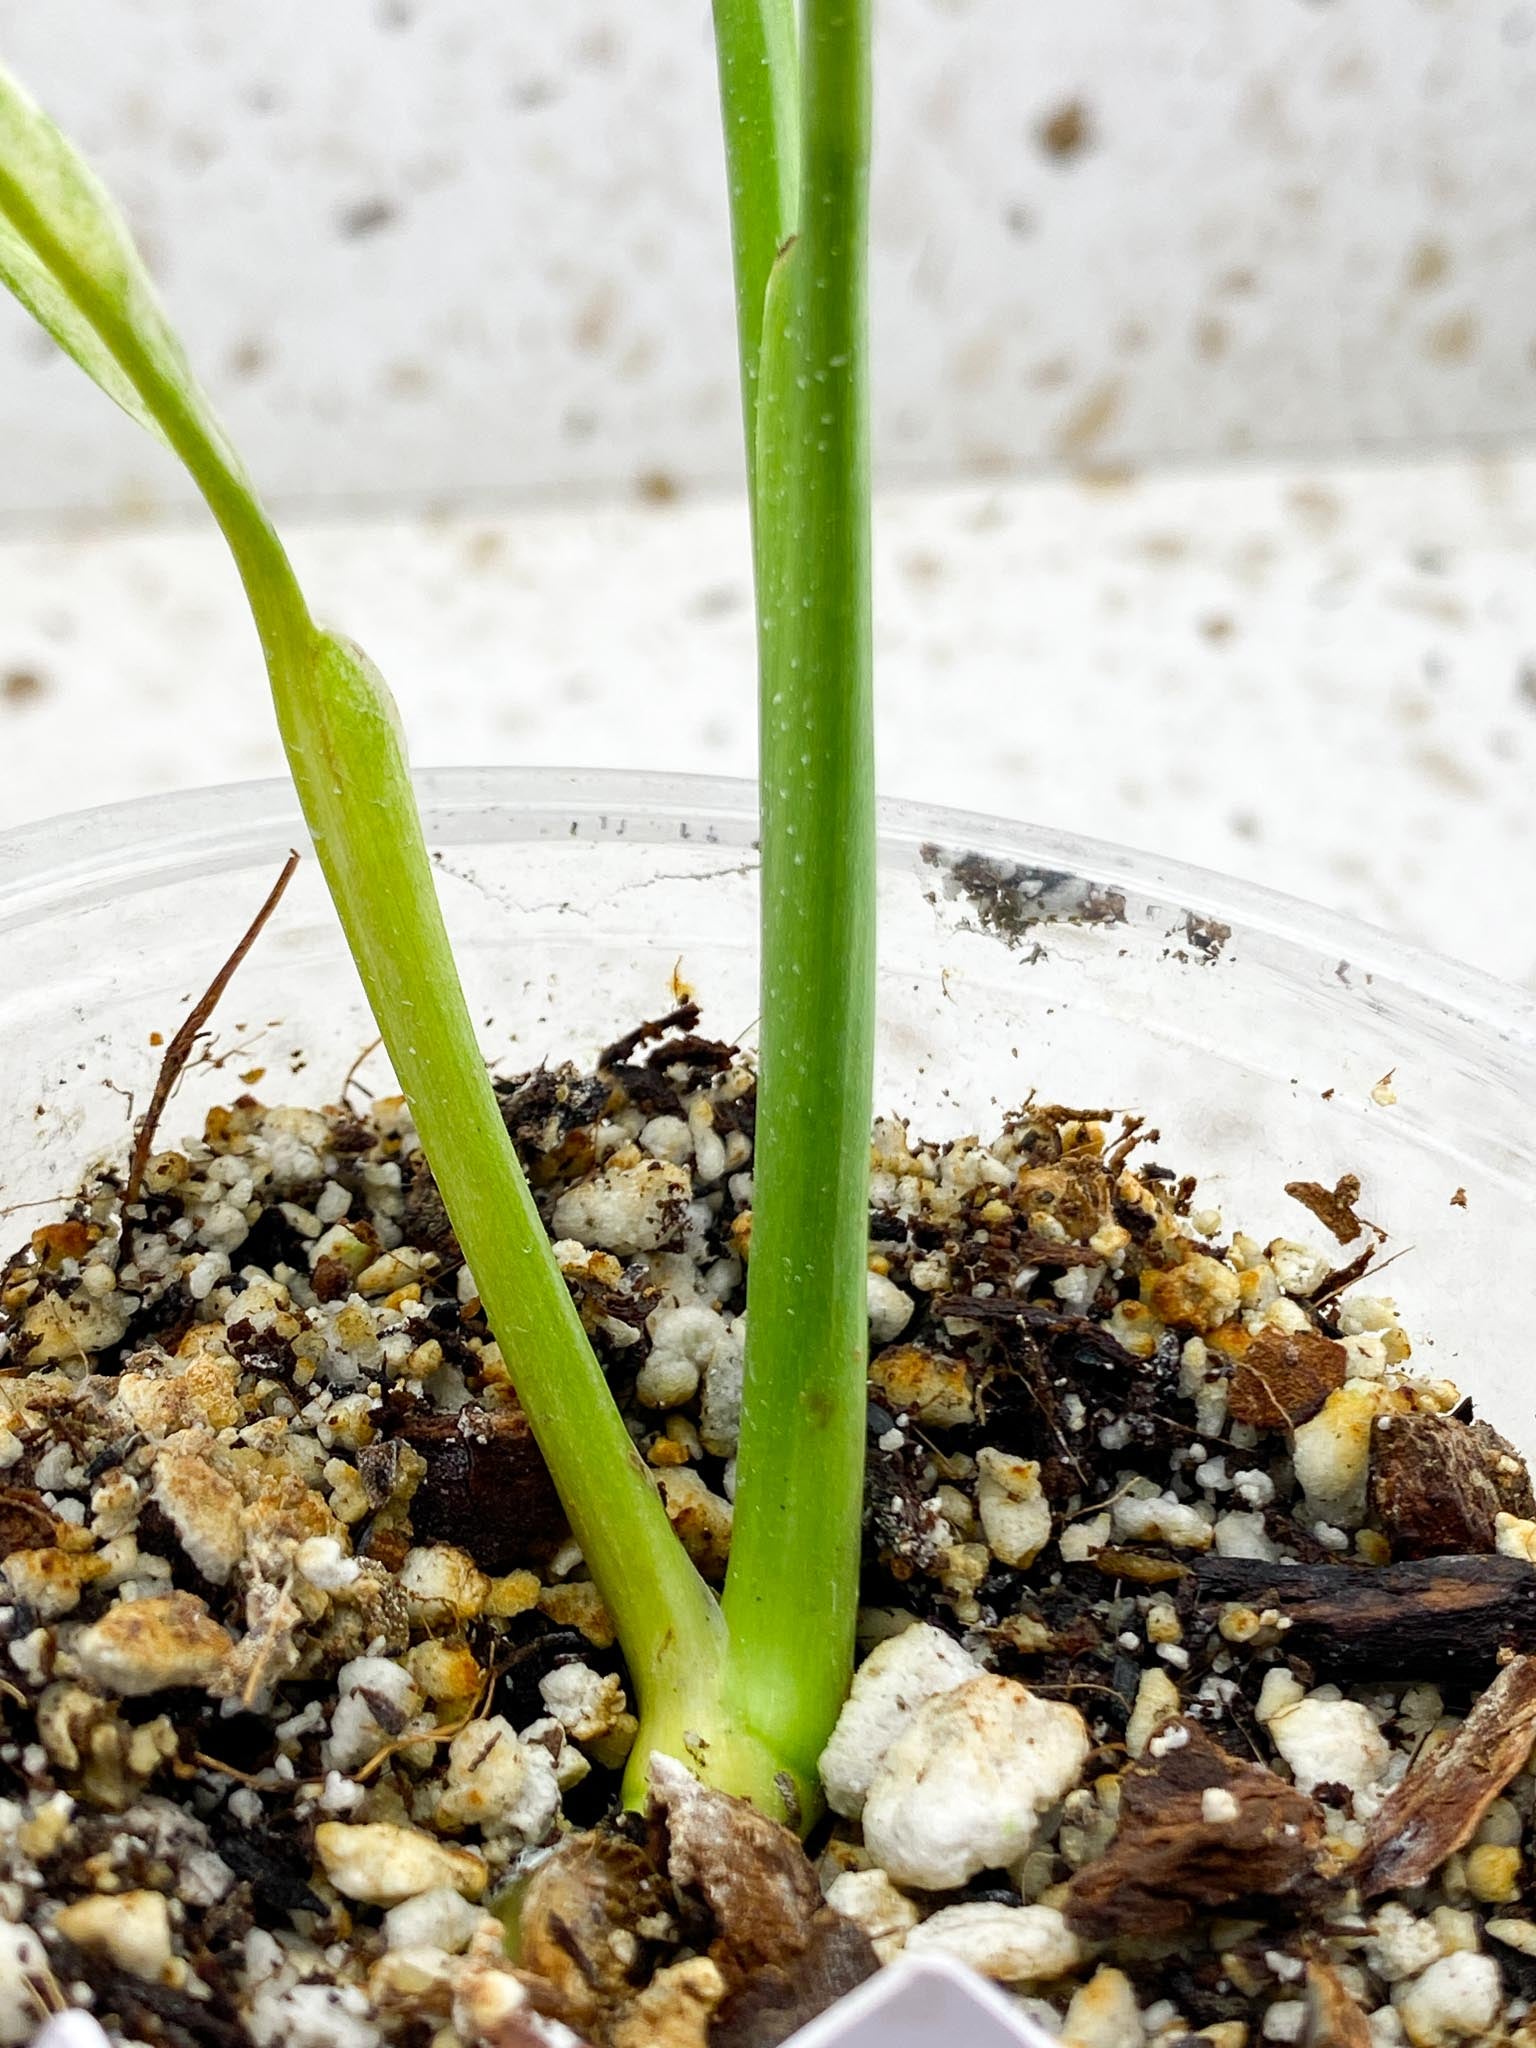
(66, 253)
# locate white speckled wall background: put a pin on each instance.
(442, 249)
(1206, 395)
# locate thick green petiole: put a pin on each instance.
(792, 1590)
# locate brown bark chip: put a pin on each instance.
(1506, 1468)
(1436, 1617)
(1333, 1207)
(1438, 1806)
(1430, 1486)
(1333, 2019)
(486, 1489)
(1281, 1381)
(1178, 1852)
(26, 1520)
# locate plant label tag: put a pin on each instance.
(927, 2002)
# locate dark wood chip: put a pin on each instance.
(644, 1090)
(1169, 1861)
(1282, 1380)
(276, 1869)
(425, 1222)
(683, 1018)
(486, 1489)
(1038, 1316)
(1439, 1617)
(1054, 1252)
(331, 1278)
(1437, 1808)
(1345, 1276)
(1431, 1488)
(156, 2013)
(691, 1059)
(544, 1109)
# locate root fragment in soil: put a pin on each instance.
(179, 1051)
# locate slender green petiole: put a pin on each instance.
(351, 773)
(792, 1588)
(755, 45)
(66, 254)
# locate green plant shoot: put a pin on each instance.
(745, 1690)
(792, 1589)
(66, 254)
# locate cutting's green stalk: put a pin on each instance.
(792, 1589)
(747, 1694)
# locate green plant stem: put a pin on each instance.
(348, 763)
(350, 768)
(759, 104)
(792, 1589)
(746, 1695)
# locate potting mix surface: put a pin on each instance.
(1199, 1631)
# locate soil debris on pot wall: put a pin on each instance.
(1197, 1626)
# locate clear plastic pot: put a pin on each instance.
(1014, 959)
(1266, 1041)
